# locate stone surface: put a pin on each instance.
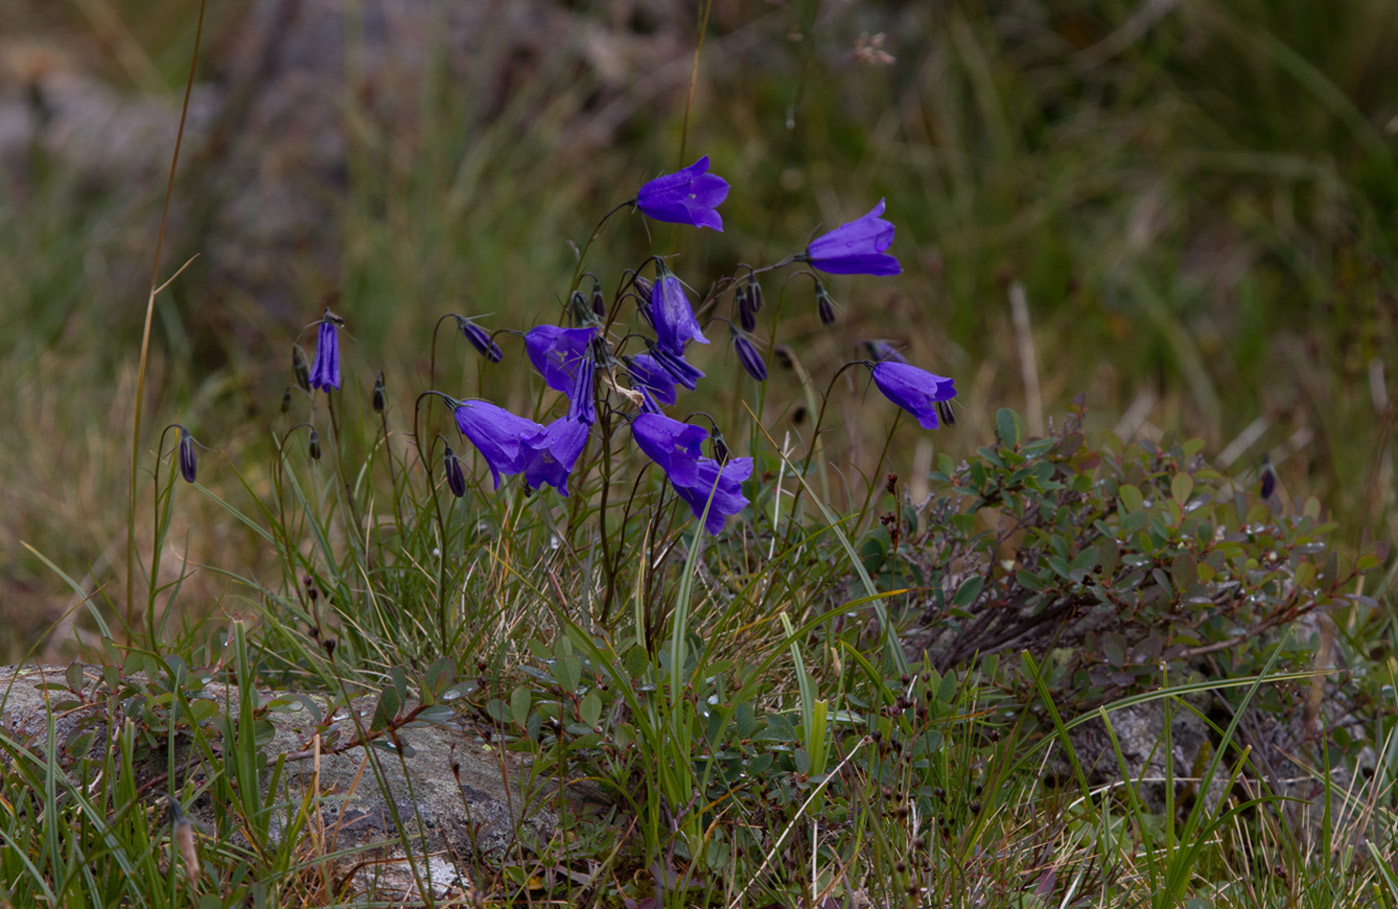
(456, 796)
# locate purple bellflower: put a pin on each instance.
(728, 498)
(551, 454)
(671, 444)
(856, 248)
(189, 465)
(675, 364)
(325, 368)
(556, 353)
(500, 436)
(675, 446)
(917, 391)
(671, 315)
(512, 444)
(688, 196)
(648, 375)
(582, 407)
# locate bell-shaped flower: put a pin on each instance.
(686, 197)
(676, 365)
(648, 375)
(557, 352)
(581, 404)
(501, 437)
(728, 498)
(325, 368)
(915, 390)
(671, 315)
(674, 445)
(856, 248)
(551, 454)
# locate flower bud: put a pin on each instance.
(825, 304)
(377, 399)
(480, 339)
(720, 447)
(599, 303)
(882, 350)
(945, 413)
(749, 357)
(315, 445)
(286, 400)
(1269, 477)
(754, 293)
(747, 315)
(300, 368)
(188, 466)
(456, 479)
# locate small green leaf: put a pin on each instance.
(591, 709)
(968, 591)
(520, 700)
(568, 671)
(387, 708)
(1180, 488)
(1183, 571)
(1008, 426)
(1131, 498)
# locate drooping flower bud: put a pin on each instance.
(315, 445)
(480, 339)
(189, 467)
(300, 368)
(749, 357)
(456, 478)
(945, 413)
(747, 316)
(754, 293)
(286, 400)
(1269, 477)
(720, 447)
(825, 304)
(377, 399)
(599, 303)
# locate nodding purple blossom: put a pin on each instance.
(581, 404)
(917, 391)
(675, 447)
(557, 352)
(670, 313)
(856, 248)
(680, 370)
(748, 356)
(725, 483)
(325, 368)
(498, 435)
(512, 444)
(650, 377)
(688, 196)
(480, 339)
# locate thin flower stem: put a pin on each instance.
(155, 288)
(810, 453)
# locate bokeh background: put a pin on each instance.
(1185, 210)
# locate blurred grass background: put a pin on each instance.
(1198, 198)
